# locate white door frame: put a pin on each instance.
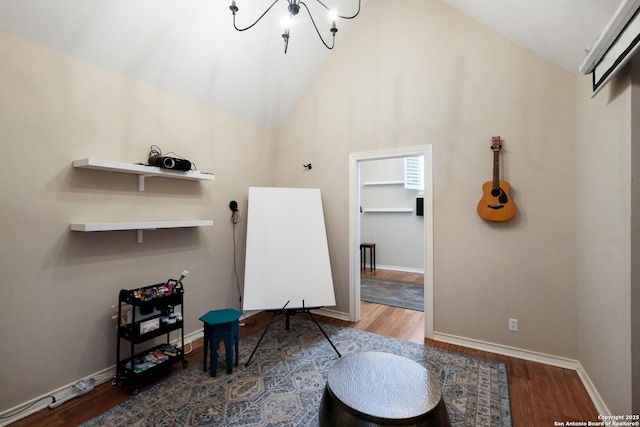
(354, 226)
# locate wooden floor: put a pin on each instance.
(540, 394)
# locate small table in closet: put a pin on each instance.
(363, 256)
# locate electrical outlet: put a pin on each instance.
(513, 325)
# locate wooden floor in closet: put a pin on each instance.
(540, 394)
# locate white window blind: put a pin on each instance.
(413, 173)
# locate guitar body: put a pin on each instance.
(496, 203)
(496, 206)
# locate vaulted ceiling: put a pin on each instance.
(189, 47)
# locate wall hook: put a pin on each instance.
(307, 166)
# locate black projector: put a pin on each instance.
(170, 163)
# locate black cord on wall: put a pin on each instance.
(235, 220)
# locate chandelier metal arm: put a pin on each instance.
(333, 30)
(234, 9)
(340, 16)
(293, 8)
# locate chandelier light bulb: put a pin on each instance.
(286, 23)
(333, 16)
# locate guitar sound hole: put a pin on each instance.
(496, 192)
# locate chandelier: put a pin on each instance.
(293, 9)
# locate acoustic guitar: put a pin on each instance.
(496, 203)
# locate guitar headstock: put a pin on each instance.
(496, 143)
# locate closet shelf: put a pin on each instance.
(138, 225)
(391, 210)
(397, 182)
(141, 170)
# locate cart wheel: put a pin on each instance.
(135, 391)
(118, 383)
(185, 363)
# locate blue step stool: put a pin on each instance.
(221, 325)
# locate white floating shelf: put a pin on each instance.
(138, 225)
(392, 210)
(142, 171)
(400, 182)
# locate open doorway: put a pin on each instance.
(392, 229)
(355, 163)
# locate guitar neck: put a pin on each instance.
(496, 169)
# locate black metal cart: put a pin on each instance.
(151, 315)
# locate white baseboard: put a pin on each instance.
(396, 268)
(332, 313)
(597, 400)
(189, 338)
(533, 356)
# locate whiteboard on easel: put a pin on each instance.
(287, 257)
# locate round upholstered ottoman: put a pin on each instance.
(381, 389)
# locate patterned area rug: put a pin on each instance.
(283, 384)
(392, 292)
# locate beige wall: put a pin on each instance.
(603, 238)
(58, 285)
(453, 83)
